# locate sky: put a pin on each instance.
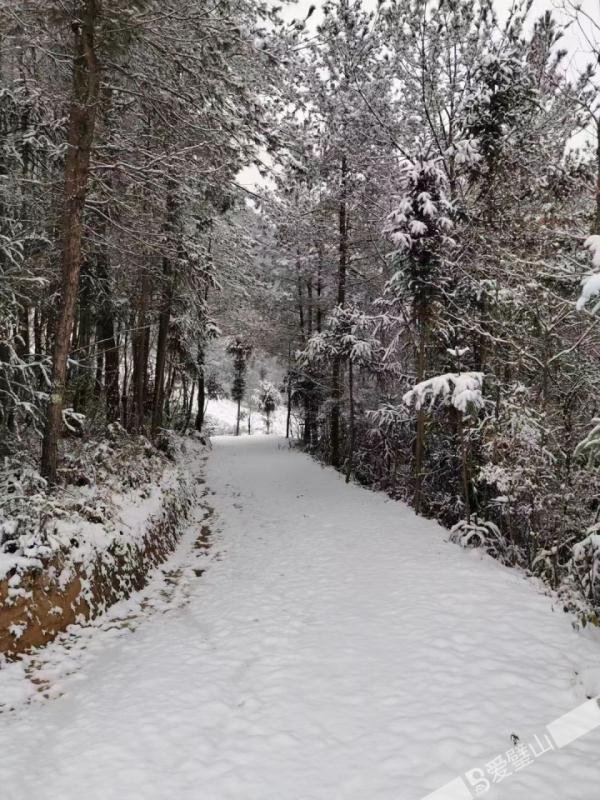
(576, 41)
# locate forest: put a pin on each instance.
(397, 204)
(299, 399)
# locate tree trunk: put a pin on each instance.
(336, 371)
(85, 361)
(23, 344)
(336, 396)
(38, 332)
(300, 299)
(201, 389)
(596, 225)
(319, 288)
(308, 424)
(82, 119)
(288, 417)
(466, 482)
(164, 319)
(350, 465)
(140, 356)
(110, 349)
(125, 383)
(172, 372)
(190, 407)
(99, 363)
(108, 344)
(420, 431)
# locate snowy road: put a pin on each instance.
(337, 649)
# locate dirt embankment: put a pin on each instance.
(62, 592)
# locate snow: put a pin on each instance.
(592, 243)
(462, 390)
(9, 562)
(590, 288)
(336, 646)
(590, 285)
(112, 509)
(132, 512)
(221, 416)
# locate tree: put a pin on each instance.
(349, 339)
(268, 400)
(419, 229)
(82, 122)
(349, 94)
(240, 351)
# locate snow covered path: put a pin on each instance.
(336, 648)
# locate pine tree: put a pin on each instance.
(240, 351)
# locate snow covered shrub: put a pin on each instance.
(166, 442)
(27, 513)
(120, 462)
(517, 484)
(590, 288)
(74, 422)
(463, 394)
(480, 533)
(584, 568)
(589, 448)
(548, 564)
(387, 439)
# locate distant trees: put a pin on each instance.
(240, 351)
(268, 400)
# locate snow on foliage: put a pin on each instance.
(349, 334)
(461, 390)
(591, 284)
(423, 211)
(589, 448)
(478, 533)
(502, 92)
(465, 152)
(584, 566)
(267, 398)
(592, 243)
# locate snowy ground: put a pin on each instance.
(334, 648)
(221, 416)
